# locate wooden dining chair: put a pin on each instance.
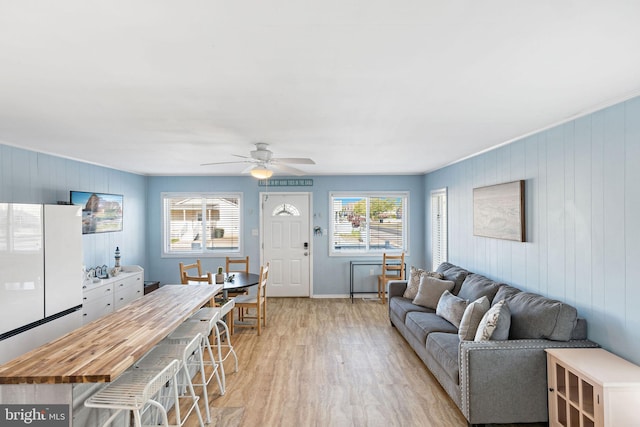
(237, 264)
(191, 270)
(257, 302)
(392, 269)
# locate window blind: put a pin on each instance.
(201, 223)
(373, 223)
(438, 227)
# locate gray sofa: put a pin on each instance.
(490, 381)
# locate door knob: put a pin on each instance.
(306, 254)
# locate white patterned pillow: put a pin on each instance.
(413, 282)
(495, 324)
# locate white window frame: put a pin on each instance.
(202, 251)
(368, 251)
(439, 228)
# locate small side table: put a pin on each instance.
(150, 286)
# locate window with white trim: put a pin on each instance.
(369, 223)
(201, 223)
(438, 227)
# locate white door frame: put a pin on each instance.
(310, 237)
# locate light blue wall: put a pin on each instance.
(582, 208)
(30, 177)
(582, 219)
(330, 274)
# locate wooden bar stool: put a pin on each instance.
(134, 390)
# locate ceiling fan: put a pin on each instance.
(263, 163)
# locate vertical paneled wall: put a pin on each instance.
(30, 177)
(582, 219)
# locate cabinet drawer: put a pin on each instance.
(97, 308)
(126, 295)
(95, 294)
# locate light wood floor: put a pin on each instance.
(327, 362)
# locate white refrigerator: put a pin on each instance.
(40, 275)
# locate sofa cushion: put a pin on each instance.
(453, 273)
(476, 286)
(534, 316)
(401, 306)
(495, 323)
(444, 348)
(430, 290)
(451, 308)
(422, 324)
(413, 282)
(505, 292)
(471, 318)
(580, 331)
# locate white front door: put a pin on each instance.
(287, 243)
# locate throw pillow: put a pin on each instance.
(471, 318)
(451, 308)
(430, 290)
(413, 282)
(495, 324)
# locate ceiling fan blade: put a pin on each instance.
(225, 163)
(242, 157)
(288, 169)
(294, 160)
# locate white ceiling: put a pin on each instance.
(361, 86)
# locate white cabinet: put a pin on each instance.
(590, 387)
(111, 294)
(128, 288)
(97, 301)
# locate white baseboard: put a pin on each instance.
(356, 296)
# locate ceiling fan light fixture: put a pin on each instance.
(261, 172)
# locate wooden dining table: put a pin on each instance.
(239, 280)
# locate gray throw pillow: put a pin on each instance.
(451, 308)
(495, 324)
(471, 318)
(413, 282)
(430, 290)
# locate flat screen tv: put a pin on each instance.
(101, 212)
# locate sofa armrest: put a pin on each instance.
(396, 288)
(506, 381)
